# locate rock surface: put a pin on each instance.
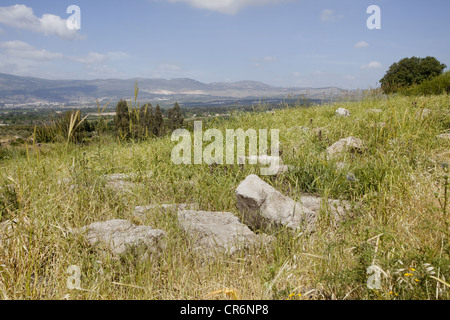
(167, 208)
(350, 144)
(217, 232)
(123, 182)
(123, 237)
(444, 136)
(422, 114)
(263, 206)
(341, 112)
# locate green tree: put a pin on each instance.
(176, 118)
(158, 122)
(146, 120)
(122, 119)
(410, 71)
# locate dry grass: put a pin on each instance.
(401, 225)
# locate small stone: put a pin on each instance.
(341, 112)
(350, 144)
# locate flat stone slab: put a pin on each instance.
(123, 182)
(218, 232)
(350, 144)
(123, 237)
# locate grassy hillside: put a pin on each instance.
(402, 224)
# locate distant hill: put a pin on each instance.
(34, 90)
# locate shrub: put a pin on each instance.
(410, 71)
(438, 85)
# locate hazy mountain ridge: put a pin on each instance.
(19, 89)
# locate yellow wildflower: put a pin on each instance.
(408, 274)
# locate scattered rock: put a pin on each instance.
(422, 114)
(341, 112)
(444, 136)
(123, 237)
(263, 206)
(282, 169)
(167, 208)
(350, 144)
(341, 165)
(218, 232)
(338, 208)
(123, 182)
(6, 231)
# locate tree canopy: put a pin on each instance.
(410, 71)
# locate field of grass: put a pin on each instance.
(402, 225)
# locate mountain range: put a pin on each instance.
(29, 90)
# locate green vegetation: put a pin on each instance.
(437, 85)
(402, 224)
(410, 71)
(176, 117)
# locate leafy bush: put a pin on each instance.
(410, 71)
(438, 85)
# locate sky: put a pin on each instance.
(287, 43)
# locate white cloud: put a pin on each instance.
(22, 17)
(372, 65)
(361, 44)
(330, 15)
(168, 67)
(296, 74)
(96, 58)
(117, 55)
(228, 6)
(270, 59)
(91, 58)
(22, 50)
(259, 62)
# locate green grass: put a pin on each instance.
(400, 184)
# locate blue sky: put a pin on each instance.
(305, 43)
